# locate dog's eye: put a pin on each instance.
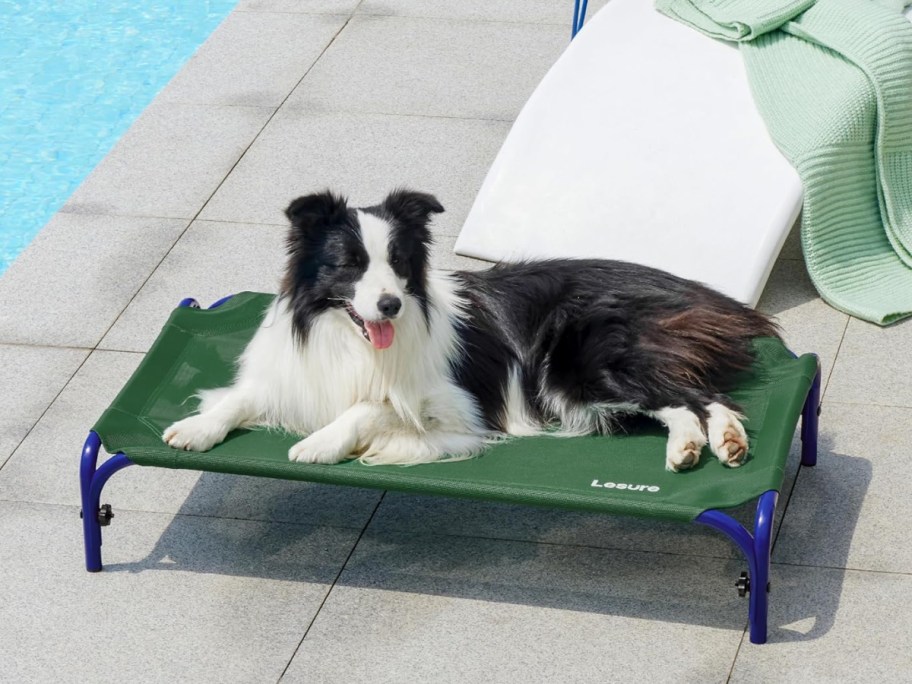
(394, 260)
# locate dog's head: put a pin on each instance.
(371, 263)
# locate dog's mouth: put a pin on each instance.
(378, 333)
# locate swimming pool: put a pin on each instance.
(73, 77)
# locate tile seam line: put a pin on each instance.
(239, 10)
(731, 670)
(115, 349)
(873, 571)
(846, 568)
(355, 12)
(115, 214)
(200, 516)
(331, 587)
(218, 186)
(296, 109)
(457, 20)
(284, 13)
(37, 345)
(293, 108)
(871, 404)
(405, 533)
(46, 409)
(894, 573)
(513, 540)
(826, 384)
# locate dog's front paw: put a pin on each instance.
(196, 433)
(727, 437)
(327, 445)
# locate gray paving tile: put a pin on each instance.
(45, 468)
(78, 274)
(32, 377)
(436, 67)
(181, 599)
(252, 58)
(170, 161)
(198, 598)
(874, 365)
(530, 11)
(211, 260)
(808, 323)
(298, 6)
(409, 513)
(441, 609)
(833, 626)
(363, 157)
(852, 509)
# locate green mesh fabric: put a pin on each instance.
(197, 349)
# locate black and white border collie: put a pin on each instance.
(372, 354)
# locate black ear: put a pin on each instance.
(409, 206)
(323, 208)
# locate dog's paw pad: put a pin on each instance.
(323, 446)
(196, 433)
(683, 456)
(733, 450)
(727, 437)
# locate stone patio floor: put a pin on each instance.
(213, 578)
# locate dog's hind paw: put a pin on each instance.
(683, 453)
(685, 438)
(196, 433)
(727, 437)
(326, 445)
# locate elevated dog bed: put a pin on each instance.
(621, 474)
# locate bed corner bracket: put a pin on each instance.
(756, 549)
(92, 480)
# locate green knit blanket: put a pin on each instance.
(833, 81)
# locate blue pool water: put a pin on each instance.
(74, 74)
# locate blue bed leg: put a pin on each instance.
(193, 304)
(757, 550)
(809, 420)
(92, 480)
(579, 16)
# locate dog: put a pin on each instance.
(372, 354)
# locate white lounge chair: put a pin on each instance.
(641, 143)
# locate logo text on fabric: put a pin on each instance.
(626, 486)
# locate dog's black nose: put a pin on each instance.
(389, 305)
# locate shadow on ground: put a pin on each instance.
(676, 587)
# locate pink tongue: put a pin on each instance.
(380, 333)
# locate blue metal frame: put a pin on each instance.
(217, 303)
(188, 301)
(92, 479)
(579, 16)
(757, 550)
(758, 547)
(809, 422)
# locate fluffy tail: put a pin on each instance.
(709, 344)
